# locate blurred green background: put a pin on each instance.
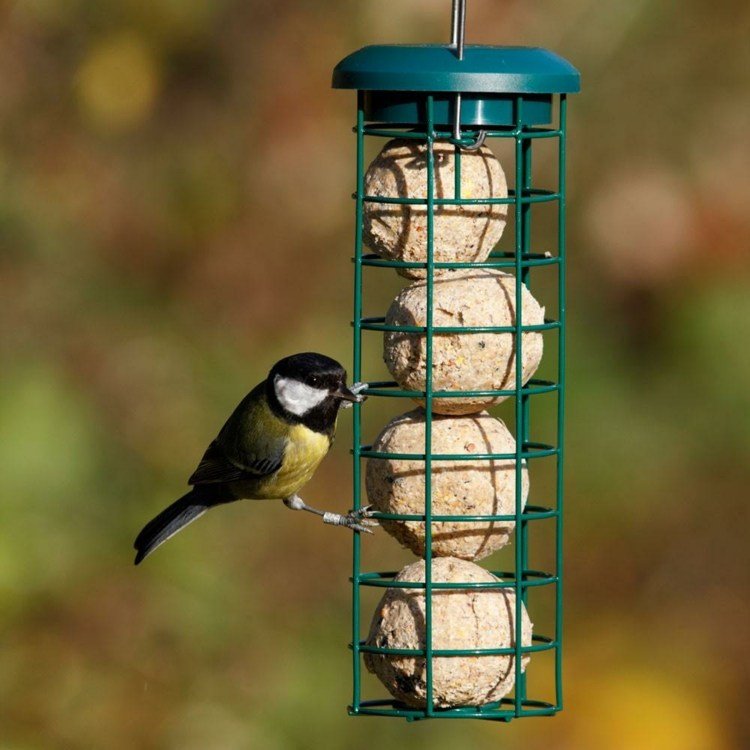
(175, 216)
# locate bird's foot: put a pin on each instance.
(356, 520)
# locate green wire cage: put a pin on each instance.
(465, 95)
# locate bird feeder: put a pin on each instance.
(461, 97)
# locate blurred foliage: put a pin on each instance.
(174, 216)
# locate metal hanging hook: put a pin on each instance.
(478, 142)
(458, 41)
(458, 27)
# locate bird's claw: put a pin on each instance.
(356, 520)
(361, 519)
(356, 389)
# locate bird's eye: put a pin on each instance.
(314, 380)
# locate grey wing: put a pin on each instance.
(217, 467)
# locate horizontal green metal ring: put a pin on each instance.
(375, 261)
(491, 712)
(528, 256)
(535, 195)
(379, 324)
(526, 135)
(532, 578)
(542, 644)
(390, 389)
(532, 513)
(537, 450)
(443, 135)
(367, 452)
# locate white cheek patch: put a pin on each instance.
(298, 398)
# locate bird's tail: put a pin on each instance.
(171, 520)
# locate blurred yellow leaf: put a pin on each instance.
(118, 83)
(642, 708)
(170, 19)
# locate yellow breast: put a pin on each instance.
(304, 452)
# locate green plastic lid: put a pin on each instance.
(433, 67)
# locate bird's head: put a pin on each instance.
(304, 382)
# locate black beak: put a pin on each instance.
(344, 394)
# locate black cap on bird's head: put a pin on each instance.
(309, 382)
(308, 366)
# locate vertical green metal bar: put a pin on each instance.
(526, 245)
(357, 418)
(561, 249)
(428, 403)
(523, 532)
(526, 207)
(519, 410)
(524, 542)
(457, 175)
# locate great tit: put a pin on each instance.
(268, 449)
